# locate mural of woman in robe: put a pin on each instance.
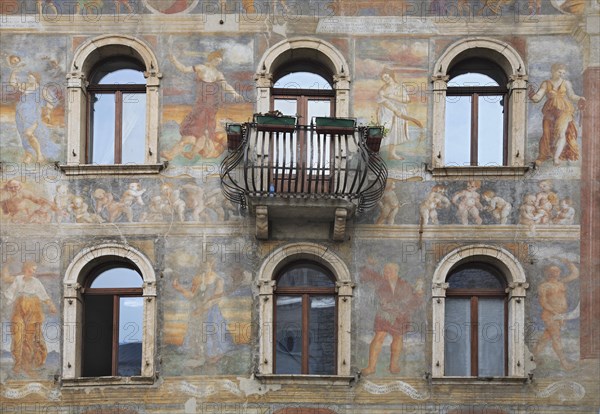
(559, 133)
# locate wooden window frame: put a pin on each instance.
(305, 292)
(119, 90)
(117, 294)
(474, 93)
(474, 295)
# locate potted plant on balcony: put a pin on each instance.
(329, 125)
(234, 136)
(275, 121)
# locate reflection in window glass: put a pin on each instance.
(288, 334)
(491, 131)
(134, 127)
(131, 312)
(302, 80)
(491, 337)
(457, 337)
(103, 150)
(118, 277)
(123, 76)
(321, 348)
(458, 130)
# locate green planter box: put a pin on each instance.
(374, 137)
(234, 136)
(275, 123)
(326, 125)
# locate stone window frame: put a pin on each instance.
(267, 274)
(505, 56)
(324, 52)
(73, 300)
(89, 54)
(517, 285)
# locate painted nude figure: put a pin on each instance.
(566, 213)
(468, 203)
(388, 205)
(553, 300)
(546, 201)
(16, 203)
(499, 207)
(435, 199)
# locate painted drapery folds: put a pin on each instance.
(207, 302)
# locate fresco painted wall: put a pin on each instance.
(203, 247)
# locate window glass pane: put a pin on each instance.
(318, 107)
(458, 131)
(285, 146)
(305, 275)
(475, 278)
(490, 134)
(98, 336)
(318, 147)
(123, 76)
(287, 106)
(103, 128)
(118, 277)
(134, 128)
(491, 337)
(302, 80)
(321, 348)
(457, 337)
(288, 335)
(131, 313)
(472, 79)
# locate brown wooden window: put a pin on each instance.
(305, 317)
(476, 115)
(113, 322)
(475, 331)
(117, 108)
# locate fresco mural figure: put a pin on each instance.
(468, 204)
(32, 114)
(494, 6)
(62, 200)
(552, 295)
(397, 300)
(559, 133)
(80, 211)
(133, 194)
(566, 213)
(27, 295)
(206, 332)
(435, 199)
(497, 206)
(529, 214)
(16, 203)
(199, 128)
(388, 205)
(114, 209)
(546, 201)
(535, 6)
(392, 100)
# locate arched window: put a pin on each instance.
(478, 299)
(305, 302)
(479, 104)
(476, 322)
(476, 115)
(113, 320)
(109, 317)
(117, 113)
(305, 321)
(112, 116)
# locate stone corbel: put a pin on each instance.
(517, 81)
(341, 81)
(263, 79)
(517, 289)
(339, 224)
(266, 287)
(72, 290)
(149, 289)
(262, 222)
(440, 82)
(76, 79)
(438, 290)
(152, 78)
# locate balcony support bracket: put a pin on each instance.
(262, 222)
(339, 224)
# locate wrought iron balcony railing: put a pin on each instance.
(299, 161)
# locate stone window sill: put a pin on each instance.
(339, 380)
(479, 380)
(478, 172)
(111, 169)
(106, 381)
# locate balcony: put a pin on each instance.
(319, 172)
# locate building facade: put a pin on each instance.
(172, 244)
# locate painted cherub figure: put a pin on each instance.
(114, 209)
(499, 207)
(529, 213)
(133, 194)
(566, 213)
(546, 201)
(435, 199)
(80, 211)
(468, 204)
(62, 200)
(388, 205)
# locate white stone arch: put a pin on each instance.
(517, 284)
(318, 50)
(73, 282)
(89, 54)
(514, 68)
(266, 282)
